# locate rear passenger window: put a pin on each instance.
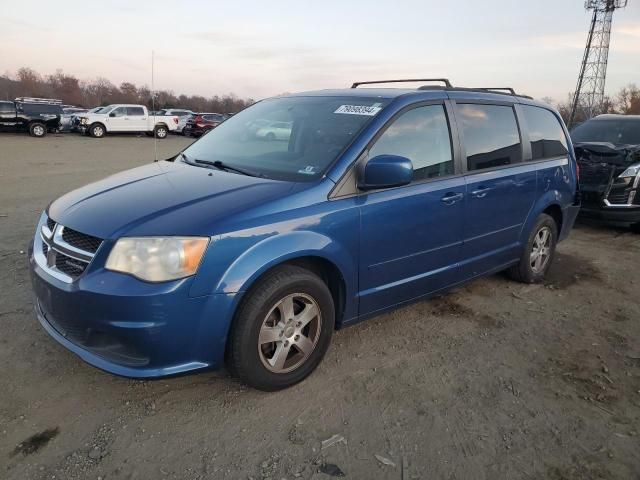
(491, 136)
(7, 107)
(422, 136)
(135, 111)
(545, 133)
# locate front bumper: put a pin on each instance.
(132, 328)
(612, 214)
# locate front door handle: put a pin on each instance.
(451, 198)
(481, 192)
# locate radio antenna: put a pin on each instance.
(153, 108)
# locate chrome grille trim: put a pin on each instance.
(50, 251)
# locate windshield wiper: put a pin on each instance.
(229, 168)
(221, 166)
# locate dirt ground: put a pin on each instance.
(496, 380)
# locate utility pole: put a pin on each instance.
(588, 98)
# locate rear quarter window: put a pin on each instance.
(491, 135)
(7, 107)
(545, 133)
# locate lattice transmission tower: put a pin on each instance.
(588, 98)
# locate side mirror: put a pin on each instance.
(385, 171)
(112, 114)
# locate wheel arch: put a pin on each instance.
(311, 250)
(555, 211)
(550, 203)
(98, 123)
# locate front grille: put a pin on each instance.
(70, 266)
(619, 196)
(82, 241)
(67, 253)
(594, 173)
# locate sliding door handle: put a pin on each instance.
(451, 198)
(481, 192)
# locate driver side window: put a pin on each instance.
(119, 112)
(422, 136)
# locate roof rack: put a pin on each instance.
(50, 101)
(443, 80)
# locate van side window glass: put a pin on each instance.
(135, 111)
(422, 136)
(545, 133)
(491, 136)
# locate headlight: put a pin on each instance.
(157, 259)
(83, 120)
(632, 171)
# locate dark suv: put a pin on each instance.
(35, 115)
(200, 123)
(608, 153)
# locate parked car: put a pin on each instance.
(34, 115)
(200, 123)
(256, 253)
(275, 131)
(68, 116)
(127, 118)
(75, 117)
(183, 116)
(608, 151)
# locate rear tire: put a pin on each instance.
(538, 253)
(161, 131)
(37, 129)
(97, 130)
(282, 329)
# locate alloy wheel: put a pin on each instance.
(541, 250)
(289, 333)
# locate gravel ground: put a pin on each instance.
(496, 380)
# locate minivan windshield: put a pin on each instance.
(618, 132)
(287, 138)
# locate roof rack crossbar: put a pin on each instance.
(498, 89)
(443, 80)
(51, 101)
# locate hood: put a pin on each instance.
(163, 198)
(601, 152)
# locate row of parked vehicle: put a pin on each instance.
(38, 116)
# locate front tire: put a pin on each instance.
(282, 329)
(538, 252)
(97, 130)
(37, 129)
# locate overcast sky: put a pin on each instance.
(262, 48)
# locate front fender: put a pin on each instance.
(278, 249)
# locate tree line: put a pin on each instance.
(26, 82)
(626, 102)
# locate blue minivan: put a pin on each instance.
(300, 215)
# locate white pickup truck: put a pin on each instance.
(127, 118)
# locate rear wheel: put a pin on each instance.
(538, 253)
(282, 329)
(37, 129)
(97, 130)
(161, 131)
